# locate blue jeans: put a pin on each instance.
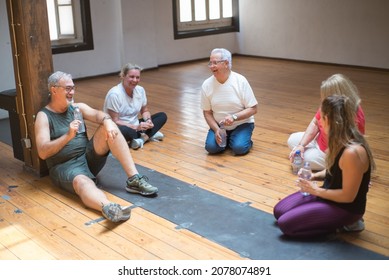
(238, 139)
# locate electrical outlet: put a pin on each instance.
(26, 143)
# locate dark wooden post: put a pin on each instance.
(32, 60)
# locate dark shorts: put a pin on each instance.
(88, 164)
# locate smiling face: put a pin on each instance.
(63, 92)
(219, 67)
(131, 79)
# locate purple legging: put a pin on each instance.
(307, 216)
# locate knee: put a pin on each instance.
(161, 116)
(213, 149)
(284, 227)
(240, 150)
(290, 142)
(79, 183)
(277, 212)
(294, 139)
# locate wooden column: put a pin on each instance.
(32, 60)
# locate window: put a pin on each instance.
(194, 18)
(70, 25)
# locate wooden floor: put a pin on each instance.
(38, 221)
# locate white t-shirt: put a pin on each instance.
(229, 98)
(128, 108)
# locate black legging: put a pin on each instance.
(158, 119)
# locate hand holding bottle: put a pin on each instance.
(223, 135)
(306, 174)
(78, 116)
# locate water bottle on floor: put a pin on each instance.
(306, 173)
(297, 162)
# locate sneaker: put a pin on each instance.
(138, 184)
(355, 227)
(137, 143)
(158, 136)
(116, 213)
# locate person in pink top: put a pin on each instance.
(312, 143)
(338, 205)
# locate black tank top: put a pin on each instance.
(59, 125)
(334, 181)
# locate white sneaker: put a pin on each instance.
(158, 136)
(137, 143)
(355, 227)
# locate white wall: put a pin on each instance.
(148, 38)
(6, 64)
(353, 32)
(135, 31)
(107, 38)
(170, 50)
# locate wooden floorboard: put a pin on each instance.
(38, 221)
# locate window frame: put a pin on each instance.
(205, 28)
(86, 26)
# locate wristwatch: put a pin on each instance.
(234, 117)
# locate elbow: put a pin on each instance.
(255, 109)
(349, 198)
(42, 156)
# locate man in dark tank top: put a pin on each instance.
(73, 159)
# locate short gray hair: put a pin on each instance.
(54, 78)
(128, 67)
(225, 55)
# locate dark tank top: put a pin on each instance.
(59, 125)
(334, 181)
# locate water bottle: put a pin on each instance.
(223, 134)
(78, 116)
(297, 162)
(306, 173)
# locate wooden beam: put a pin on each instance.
(32, 60)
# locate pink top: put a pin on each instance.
(321, 138)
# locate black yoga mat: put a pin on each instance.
(238, 226)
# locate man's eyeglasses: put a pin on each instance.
(68, 88)
(216, 62)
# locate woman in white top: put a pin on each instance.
(126, 103)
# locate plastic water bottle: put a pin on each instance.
(78, 116)
(306, 173)
(297, 162)
(223, 134)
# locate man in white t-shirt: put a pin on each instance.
(126, 102)
(227, 99)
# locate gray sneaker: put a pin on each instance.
(355, 227)
(158, 136)
(116, 213)
(138, 184)
(137, 143)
